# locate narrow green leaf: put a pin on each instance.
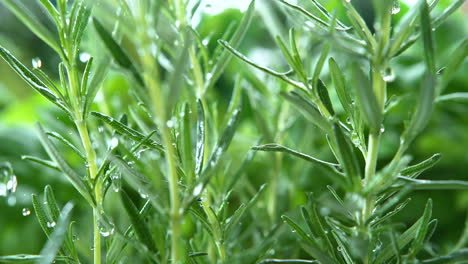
(319, 65)
(414, 170)
(79, 23)
(403, 240)
(129, 132)
(434, 185)
(359, 24)
(63, 165)
(404, 28)
(32, 22)
(367, 99)
(347, 155)
(391, 202)
(295, 50)
(202, 218)
(181, 61)
(118, 53)
(421, 232)
(116, 247)
(200, 146)
(100, 72)
(325, 97)
(296, 228)
(342, 248)
(447, 12)
(457, 57)
(311, 16)
(51, 204)
(224, 58)
(454, 257)
(423, 110)
(67, 143)
(225, 139)
(51, 248)
(142, 230)
(41, 214)
(281, 76)
(138, 181)
(51, 10)
(387, 216)
(186, 142)
(278, 148)
(19, 258)
(339, 82)
(308, 110)
(327, 14)
(53, 210)
(234, 220)
(316, 226)
(240, 170)
(84, 79)
(428, 39)
(293, 60)
(46, 163)
(31, 78)
(456, 97)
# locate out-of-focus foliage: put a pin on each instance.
(265, 116)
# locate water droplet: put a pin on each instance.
(197, 190)
(100, 129)
(114, 142)
(26, 211)
(355, 139)
(116, 179)
(396, 7)
(388, 75)
(348, 121)
(36, 63)
(382, 129)
(205, 42)
(12, 184)
(8, 182)
(143, 195)
(171, 122)
(209, 76)
(51, 224)
(106, 227)
(84, 57)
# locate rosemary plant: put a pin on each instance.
(360, 232)
(156, 168)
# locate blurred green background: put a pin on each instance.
(21, 108)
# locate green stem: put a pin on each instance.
(97, 237)
(91, 165)
(371, 164)
(156, 94)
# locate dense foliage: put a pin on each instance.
(158, 133)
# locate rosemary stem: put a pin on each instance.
(97, 237)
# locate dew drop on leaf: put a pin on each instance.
(51, 224)
(36, 63)
(26, 212)
(396, 7)
(84, 57)
(116, 179)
